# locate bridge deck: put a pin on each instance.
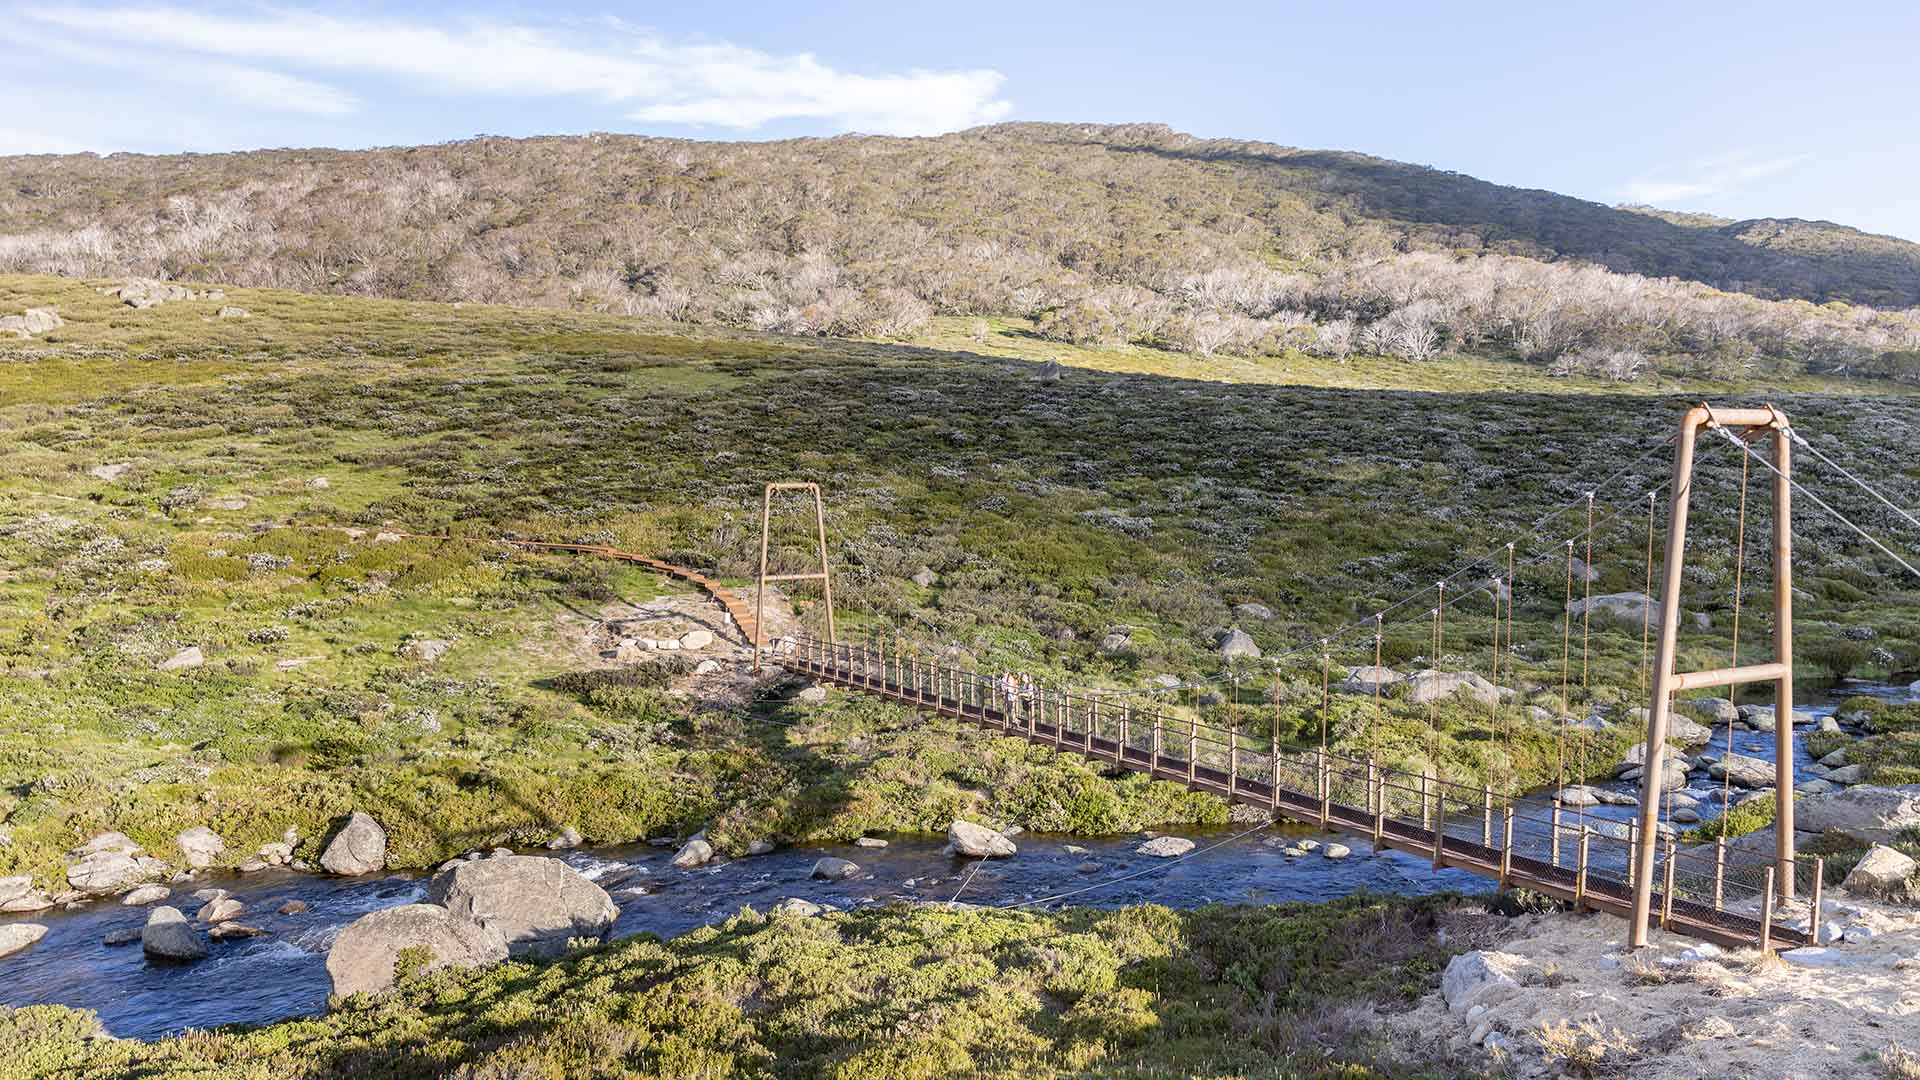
(1542, 869)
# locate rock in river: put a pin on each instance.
(20, 935)
(362, 958)
(695, 852)
(978, 841)
(534, 903)
(168, 937)
(1747, 771)
(832, 869)
(1165, 847)
(360, 847)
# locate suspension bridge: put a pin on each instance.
(1635, 869)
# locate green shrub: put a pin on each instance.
(1839, 656)
(1750, 816)
(655, 674)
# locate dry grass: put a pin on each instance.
(1899, 1063)
(1586, 1049)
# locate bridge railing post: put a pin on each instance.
(1157, 723)
(1440, 832)
(1326, 789)
(1719, 872)
(1666, 891)
(1426, 821)
(1233, 762)
(1380, 812)
(1766, 912)
(1506, 850)
(1486, 816)
(1819, 881)
(1193, 748)
(1580, 875)
(1555, 840)
(1126, 716)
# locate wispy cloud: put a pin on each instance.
(275, 58)
(1706, 177)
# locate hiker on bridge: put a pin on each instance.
(1008, 693)
(1026, 692)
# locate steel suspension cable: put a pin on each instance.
(1818, 501)
(1586, 614)
(1326, 694)
(1739, 572)
(1566, 640)
(1861, 484)
(1646, 609)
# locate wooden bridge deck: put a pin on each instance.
(967, 697)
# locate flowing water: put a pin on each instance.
(284, 973)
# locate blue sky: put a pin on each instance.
(1753, 109)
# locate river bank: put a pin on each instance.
(283, 973)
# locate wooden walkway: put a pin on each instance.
(1521, 845)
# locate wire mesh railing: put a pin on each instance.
(1527, 841)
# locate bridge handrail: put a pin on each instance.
(1479, 820)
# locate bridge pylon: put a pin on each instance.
(822, 576)
(1747, 425)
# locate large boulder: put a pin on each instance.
(1428, 686)
(190, 657)
(1760, 717)
(1848, 774)
(1868, 813)
(146, 894)
(363, 955)
(1686, 732)
(978, 841)
(360, 847)
(169, 937)
(425, 650)
(1369, 679)
(697, 851)
(18, 890)
(1717, 710)
(1481, 977)
(201, 846)
(20, 935)
(100, 873)
(1630, 608)
(1746, 771)
(832, 869)
(1238, 644)
(535, 903)
(1881, 870)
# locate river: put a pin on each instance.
(283, 974)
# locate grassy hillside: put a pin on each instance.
(1143, 494)
(1104, 234)
(1099, 198)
